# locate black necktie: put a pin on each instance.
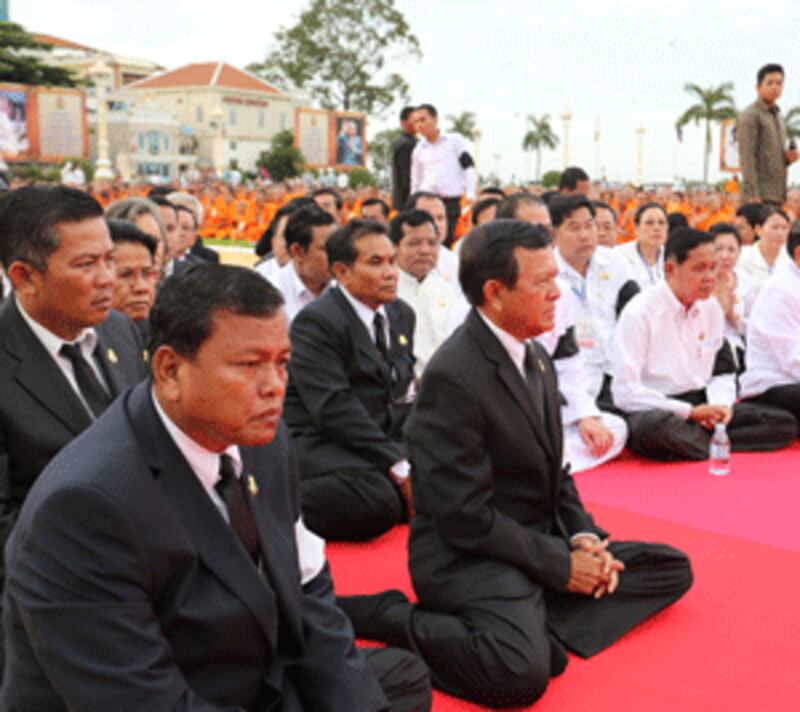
(533, 376)
(380, 335)
(93, 393)
(230, 488)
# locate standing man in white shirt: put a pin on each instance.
(442, 165)
(438, 305)
(773, 338)
(674, 373)
(306, 275)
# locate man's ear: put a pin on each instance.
(295, 251)
(340, 272)
(166, 365)
(27, 280)
(491, 292)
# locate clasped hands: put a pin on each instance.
(593, 570)
(709, 415)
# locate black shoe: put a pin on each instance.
(380, 616)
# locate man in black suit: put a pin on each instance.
(402, 149)
(508, 567)
(64, 354)
(168, 539)
(350, 387)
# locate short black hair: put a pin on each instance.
(492, 190)
(676, 220)
(412, 218)
(161, 201)
(793, 242)
(482, 205)
(509, 205)
(601, 205)
(682, 241)
(768, 69)
(179, 208)
(264, 244)
(377, 201)
(430, 108)
(548, 196)
(29, 217)
(770, 210)
(754, 213)
(123, 231)
(571, 177)
(488, 253)
(183, 313)
(406, 111)
(329, 191)
(157, 190)
(642, 209)
(340, 246)
(301, 223)
(411, 203)
(725, 228)
(563, 206)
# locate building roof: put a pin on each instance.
(207, 74)
(60, 42)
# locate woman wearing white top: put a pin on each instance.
(645, 255)
(759, 261)
(733, 290)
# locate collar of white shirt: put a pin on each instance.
(366, 314)
(303, 293)
(514, 347)
(674, 304)
(204, 462)
(87, 339)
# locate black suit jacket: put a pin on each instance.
(127, 590)
(402, 149)
(39, 410)
(494, 506)
(344, 403)
(198, 249)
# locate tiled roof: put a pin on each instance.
(60, 42)
(207, 74)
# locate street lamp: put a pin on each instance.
(101, 75)
(566, 117)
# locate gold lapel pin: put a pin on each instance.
(541, 365)
(146, 355)
(112, 356)
(702, 335)
(252, 485)
(604, 275)
(402, 340)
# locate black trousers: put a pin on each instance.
(452, 207)
(502, 652)
(784, 397)
(754, 427)
(403, 677)
(351, 505)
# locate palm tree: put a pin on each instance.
(792, 121)
(714, 104)
(464, 124)
(539, 135)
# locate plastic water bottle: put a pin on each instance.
(719, 456)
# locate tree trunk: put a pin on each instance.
(707, 152)
(538, 163)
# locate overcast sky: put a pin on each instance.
(617, 64)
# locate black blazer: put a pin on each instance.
(39, 410)
(127, 590)
(402, 149)
(494, 506)
(344, 401)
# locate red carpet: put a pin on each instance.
(731, 645)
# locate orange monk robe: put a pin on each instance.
(627, 229)
(241, 215)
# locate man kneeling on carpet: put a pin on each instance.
(674, 371)
(508, 566)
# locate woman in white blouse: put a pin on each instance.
(759, 261)
(733, 290)
(645, 255)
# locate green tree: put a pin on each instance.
(283, 160)
(464, 124)
(551, 179)
(380, 149)
(539, 135)
(358, 177)
(338, 50)
(792, 121)
(20, 65)
(714, 105)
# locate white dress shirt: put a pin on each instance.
(205, 465)
(52, 343)
(435, 167)
(662, 349)
(447, 266)
(773, 334)
(295, 293)
(752, 263)
(5, 285)
(744, 296)
(638, 269)
(269, 268)
(440, 308)
(595, 308)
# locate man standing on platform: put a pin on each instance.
(508, 566)
(764, 151)
(402, 149)
(442, 165)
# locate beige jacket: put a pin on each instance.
(762, 145)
